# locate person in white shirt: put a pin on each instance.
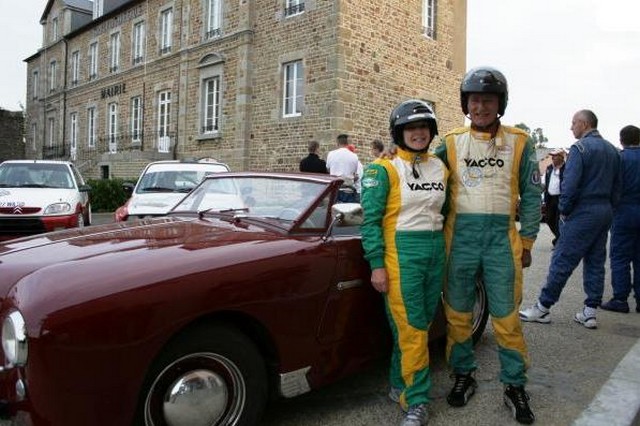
(344, 163)
(552, 179)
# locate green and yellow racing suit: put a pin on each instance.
(489, 177)
(402, 232)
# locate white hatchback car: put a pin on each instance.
(162, 184)
(40, 196)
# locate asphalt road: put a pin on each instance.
(570, 371)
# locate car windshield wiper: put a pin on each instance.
(201, 213)
(31, 185)
(157, 189)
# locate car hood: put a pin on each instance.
(36, 197)
(153, 203)
(123, 256)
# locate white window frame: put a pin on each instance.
(112, 126)
(211, 97)
(98, 8)
(53, 75)
(93, 60)
(34, 135)
(114, 48)
(429, 18)
(214, 19)
(293, 89)
(136, 119)
(293, 7)
(54, 29)
(138, 38)
(75, 67)
(35, 84)
(73, 134)
(52, 132)
(166, 30)
(91, 127)
(164, 120)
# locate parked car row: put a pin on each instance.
(252, 286)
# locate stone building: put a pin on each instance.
(11, 135)
(119, 83)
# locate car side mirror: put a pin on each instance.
(345, 214)
(128, 188)
(84, 188)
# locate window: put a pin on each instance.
(293, 94)
(115, 52)
(293, 7)
(34, 135)
(164, 118)
(73, 133)
(75, 67)
(214, 18)
(137, 53)
(211, 105)
(112, 126)
(93, 60)
(52, 132)
(53, 76)
(36, 83)
(98, 8)
(429, 18)
(54, 29)
(166, 22)
(91, 127)
(136, 119)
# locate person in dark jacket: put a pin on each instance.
(552, 178)
(590, 191)
(625, 230)
(312, 163)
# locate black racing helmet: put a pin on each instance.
(409, 112)
(484, 80)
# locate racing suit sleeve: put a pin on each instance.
(529, 196)
(375, 188)
(571, 180)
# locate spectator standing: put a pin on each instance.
(358, 178)
(552, 179)
(377, 148)
(590, 191)
(344, 163)
(312, 163)
(491, 166)
(404, 244)
(625, 230)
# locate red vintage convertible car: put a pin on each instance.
(253, 286)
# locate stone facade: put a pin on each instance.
(354, 60)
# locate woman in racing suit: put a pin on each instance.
(403, 242)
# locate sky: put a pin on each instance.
(559, 56)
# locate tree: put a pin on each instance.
(537, 135)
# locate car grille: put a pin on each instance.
(19, 210)
(20, 226)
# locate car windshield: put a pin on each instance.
(175, 178)
(250, 196)
(35, 175)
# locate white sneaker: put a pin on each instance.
(588, 321)
(416, 416)
(536, 313)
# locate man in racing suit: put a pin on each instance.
(492, 166)
(404, 244)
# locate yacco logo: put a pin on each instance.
(426, 186)
(484, 162)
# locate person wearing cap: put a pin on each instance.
(344, 163)
(625, 230)
(403, 242)
(552, 178)
(590, 191)
(492, 166)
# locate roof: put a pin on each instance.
(75, 4)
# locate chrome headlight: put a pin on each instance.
(14, 340)
(58, 208)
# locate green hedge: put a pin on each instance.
(107, 194)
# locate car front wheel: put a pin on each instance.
(209, 376)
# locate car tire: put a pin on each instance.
(480, 310)
(81, 223)
(210, 375)
(88, 216)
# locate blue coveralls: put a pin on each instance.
(589, 190)
(625, 231)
